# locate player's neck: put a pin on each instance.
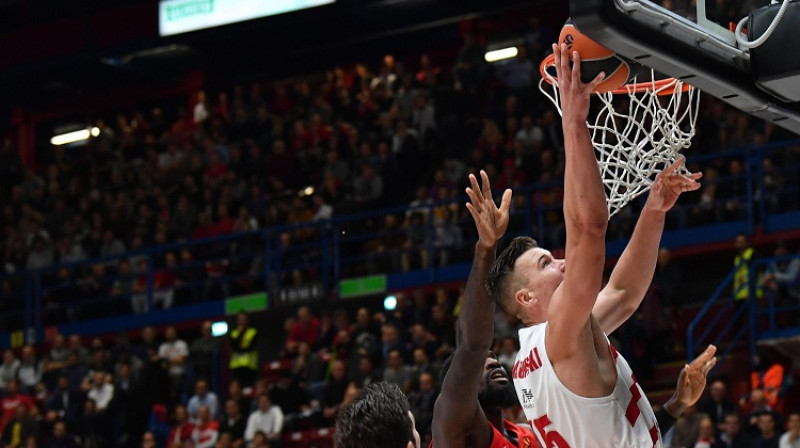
(495, 416)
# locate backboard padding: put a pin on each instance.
(677, 47)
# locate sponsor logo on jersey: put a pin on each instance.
(528, 364)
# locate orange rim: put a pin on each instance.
(657, 85)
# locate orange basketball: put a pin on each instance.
(596, 58)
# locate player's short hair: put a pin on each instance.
(503, 267)
(378, 417)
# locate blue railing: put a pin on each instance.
(723, 322)
(284, 260)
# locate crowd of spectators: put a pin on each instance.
(154, 388)
(350, 139)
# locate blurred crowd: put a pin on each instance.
(157, 388)
(301, 150)
(297, 151)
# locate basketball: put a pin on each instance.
(596, 58)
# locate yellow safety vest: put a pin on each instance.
(741, 279)
(243, 350)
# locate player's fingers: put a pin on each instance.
(473, 182)
(709, 365)
(474, 198)
(704, 357)
(596, 81)
(505, 203)
(564, 76)
(472, 212)
(487, 186)
(576, 67)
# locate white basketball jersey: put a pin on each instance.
(562, 419)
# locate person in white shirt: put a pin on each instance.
(8, 370)
(202, 396)
(791, 438)
(268, 418)
(99, 389)
(175, 351)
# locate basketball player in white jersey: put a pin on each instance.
(574, 387)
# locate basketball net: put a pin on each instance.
(638, 137)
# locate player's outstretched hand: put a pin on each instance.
(574, 93)
(491, 220)
(692, 380)
(669, 185)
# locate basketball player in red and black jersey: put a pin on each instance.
(475, 387)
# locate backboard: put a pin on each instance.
(688, 43)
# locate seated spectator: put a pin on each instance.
(206, 429)
(305, 329)
(203, 352)
(11, 400)
(55, 360)
(149, 440)
(19, 428)
(164, 282)
(334, 392)
(98, 388)
(422, 365)
(422, 402)
(61, 438)
(705, 436)
(175, 352)
(268, 419)
(716, 405)
(508, 352)
(235, 393)
(767, 436)
(448, 238)
(91, 426)
(791, 438)
(731, 434)
(234, 423)
(63, 402)
(202, 397)
(768, 375)
(260, 440)
(784, 277)
(30, 369)
(9, 368)
(687, 428)
(366, 373)
(396, 372)
(416, 251)
(181, 429)
(292, 397)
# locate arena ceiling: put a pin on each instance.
(56, 49)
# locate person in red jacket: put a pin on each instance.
(11, 400)
(305, 329)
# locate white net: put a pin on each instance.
(638, 133)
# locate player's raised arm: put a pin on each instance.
(585, 214)
(634, 271)
(457, 416)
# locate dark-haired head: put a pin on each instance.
(498, 285)
(378, 417)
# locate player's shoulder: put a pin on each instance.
(524, 434)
